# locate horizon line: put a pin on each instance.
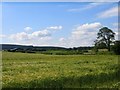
(45, 45)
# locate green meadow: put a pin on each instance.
(28, 70)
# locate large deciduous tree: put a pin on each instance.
(106, 36)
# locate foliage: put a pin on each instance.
(105, 36)
(116, 47)
(29, 70)
(61, 52)
(101, 45)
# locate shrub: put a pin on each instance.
(116, 48)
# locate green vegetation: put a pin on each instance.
(105, 38)
(28, 70)
(61, 52)
(116, 47)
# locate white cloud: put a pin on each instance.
(82, 35)
(89, 6)
(55, 28)
(43, 33)
(40, 37)
(19, 36)
(23, 36)
(109, 13)
(62, 39)
(2, 36)
(85, 34)
(85, 29)
(115, 28)
(27, 29)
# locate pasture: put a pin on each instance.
(27, 70)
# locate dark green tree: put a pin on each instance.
(116, 47)
(101, 45)
(106, 36)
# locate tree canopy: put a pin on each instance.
(106, 36)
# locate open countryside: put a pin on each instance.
(28, 70)
(60, 45)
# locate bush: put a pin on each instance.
(116, 48)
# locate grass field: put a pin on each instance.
(59, 71)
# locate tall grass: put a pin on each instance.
(23, 70)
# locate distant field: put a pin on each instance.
(59, 71)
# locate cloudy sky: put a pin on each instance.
(68, 24)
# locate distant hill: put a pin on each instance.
(38, 48)
(25, 47)
(10, 46)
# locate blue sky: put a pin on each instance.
(67, 24)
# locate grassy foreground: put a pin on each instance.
(23, 70)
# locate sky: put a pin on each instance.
(60, 0)
(66, 24)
